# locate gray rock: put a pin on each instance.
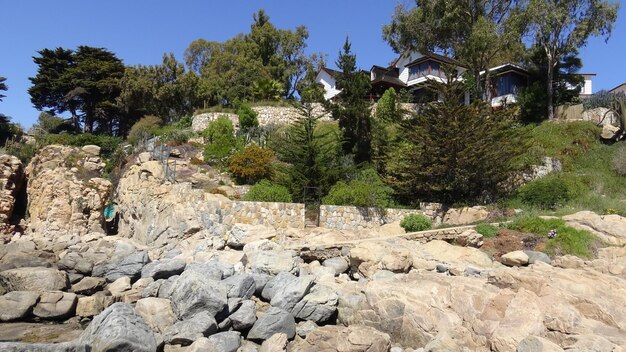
(34, 279)
(212, 269)
(37, 347)
(56, 305)
(537, 344)
(305, 327)
(130, 266)
(441, 268)
(187, 331)
(240, 285)
(260, 280)
(163, 269)
(244, 317)
(74, 277)
(228, 341)
(75, 261)
(471, 271)
(275, 320)
(152, 290)
(89, 285)
(17, 305)
(339, 264)
(276, 283)
(536, 256)
(319, 305)
(193, 293)
(118, 328)
(272, 262)
(166, 287)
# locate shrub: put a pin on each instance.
(172, 135)
(367, 190)
(220, 139)
(22, 151)
(247, 117)
(568, 240)
(265, 191)
(551, 192)
(107, 144)
(252, 164)
(487, 230)
(146, 126)
(416, 222)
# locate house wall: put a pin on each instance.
(329, 83)
(587, 88)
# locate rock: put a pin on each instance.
(74, 261)
(441, 268)
(275, 320)
(187, 331)
(244, 317)
(119, 286)
(341, 338)
(466, 215)
(92, 150)
(470, 238)
(610, 132)
(163, 269)
(536, 256)
(34, 279)
(240, 285)
(260, 280)
(212, 269)
(318, 306)
(228, 341)
(12, 180)
(369, 257)
(118, 328)
(537, 344)
(89, 285)
(277, 283)
(16, 305)
(442, 251)
(305, 327)
(193, 293)
(130, 266)
(56, 305)
(272, 262)
(242, 234)
(156, 312)
(515, 258)
(92, 305)
(287, 296)
(276, 343)
(609, 228)
(338, 264)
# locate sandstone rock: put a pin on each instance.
(193, 293)
(89, 285)
(162, 269)
(56, 305)
(272, 262)
(537, 344)
(120, 285)
(609, 228)
(34, 279)
(130, 266)
(92, 150)
(340, 338)
(610, 132)
(467, 215)
(470, 238)
(368, 257)
(242, 234)
(187, 331)
(318, 306)
(338, 264)
(156, 312)
(11, 182)
(515, 258)
(275, 320)
(444, 252)
(276, 343)
(244, 317)
(118, 328)
(92, 305)
(16, 305)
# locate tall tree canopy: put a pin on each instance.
(3, 87)
(84, 82)
(560, 27)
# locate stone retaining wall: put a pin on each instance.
(278, 215)
(358, 218)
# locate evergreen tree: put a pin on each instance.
(351, 107)
(3, 87)
(453, 152)
(385, 129)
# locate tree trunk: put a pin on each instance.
(550, 87)
(75, 121)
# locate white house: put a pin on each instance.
(587, 87)
(327, 78)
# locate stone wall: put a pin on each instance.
(278, 215)
(358, 218)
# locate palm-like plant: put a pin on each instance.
(267, 89)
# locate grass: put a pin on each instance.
(568, 240)
(487, 230)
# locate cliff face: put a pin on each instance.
(12, 180)
(66, 194)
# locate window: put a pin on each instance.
(509, 84)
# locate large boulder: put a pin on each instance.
(466, 215)
(319, 305)
(16, 305)
(244, 317)
(187, 331)
(34, 279)
(340, 338)
(369, 257)
(242, 234)
(240, 285)
(275, 320)
(129, 266)
(90, 306)
(163, 269)
(193, 293)
(609, 228)
(56, 305)
(118, 328)
(272, 262)
(12, 179)
(89, 285)
(515, 258)
(156, 312)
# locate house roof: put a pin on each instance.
(623, 85)
(330, 71)
(395, 81)
(506, 68)
(432, 56)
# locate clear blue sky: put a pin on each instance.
(140, 31)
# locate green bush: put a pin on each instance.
(416, 222)
(252, 164)
(22, 151)
(220, 138)
(145, 127)
(568, 240)
(107, 144)
(247, 117)
(551, 192)
(173, 135)
(367, 190)
(487, 230)
(265, 191)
